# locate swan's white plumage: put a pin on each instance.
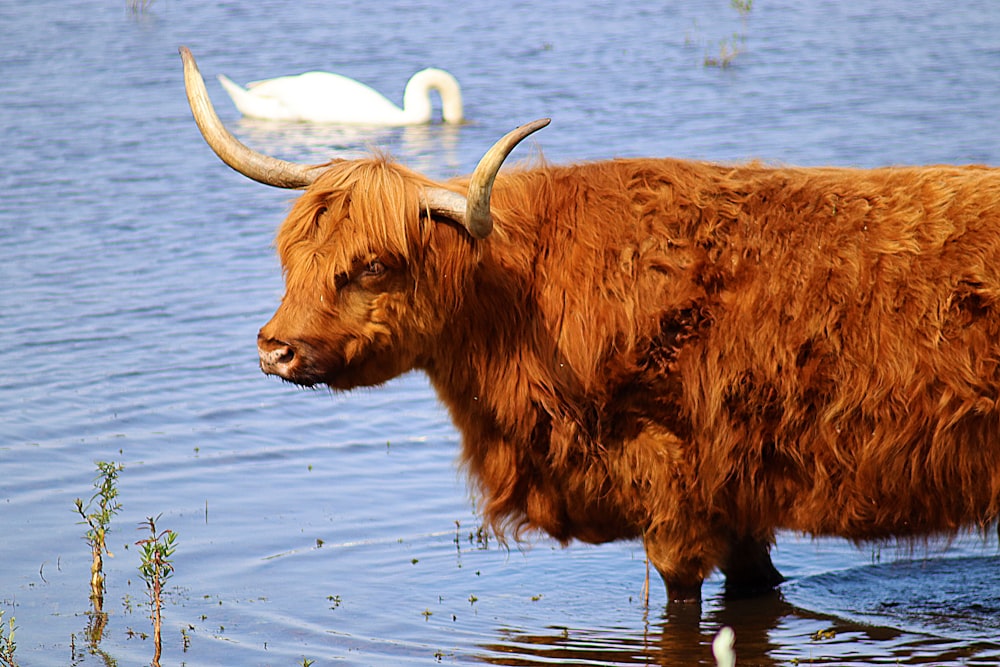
(325, 97)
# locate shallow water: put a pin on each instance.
(136, 269)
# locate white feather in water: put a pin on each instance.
(722, 648)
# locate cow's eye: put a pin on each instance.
(374, 268)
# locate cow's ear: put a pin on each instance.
(319, 213)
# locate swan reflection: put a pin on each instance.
(431, 149)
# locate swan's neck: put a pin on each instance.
(417, 99)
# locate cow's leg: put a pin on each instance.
(683, 561)
(748, 567)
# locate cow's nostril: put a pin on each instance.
(275, 355)
(283, 355)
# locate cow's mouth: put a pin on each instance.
(287, 361)
(276, 356)
(307, 365)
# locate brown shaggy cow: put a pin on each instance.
(692, 354)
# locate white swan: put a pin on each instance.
(324, 97)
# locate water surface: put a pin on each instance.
(136, 269)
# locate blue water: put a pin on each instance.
(135, 270)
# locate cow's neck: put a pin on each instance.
(487, 367)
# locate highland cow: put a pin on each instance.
(695, 355)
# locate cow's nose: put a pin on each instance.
(275, 355)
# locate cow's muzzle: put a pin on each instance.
(276, 356)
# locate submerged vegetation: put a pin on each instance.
(156, 568)
(7, 644)
(138, 6)
(97, 514)
(735, 44)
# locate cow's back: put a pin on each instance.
(853, 358)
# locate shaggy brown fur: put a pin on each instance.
(694, 354)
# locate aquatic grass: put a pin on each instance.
(7, 643)
(97, 514)
(156, 569)
(734, 45)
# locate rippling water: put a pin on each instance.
(135, 270)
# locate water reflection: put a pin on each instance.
(682, 635)
(945, 608)
(427, 148)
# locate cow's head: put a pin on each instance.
(376, 257)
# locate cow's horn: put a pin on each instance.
(478, 219)
(445, 203)
(473, 210)
(250, 163)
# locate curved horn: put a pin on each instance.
(478, 219)
(474, 209)
(250, 163)
(445, 203)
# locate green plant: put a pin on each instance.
(742, 6)
(97, 515)
(156, 568)
(7, 644)
(736, 44)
